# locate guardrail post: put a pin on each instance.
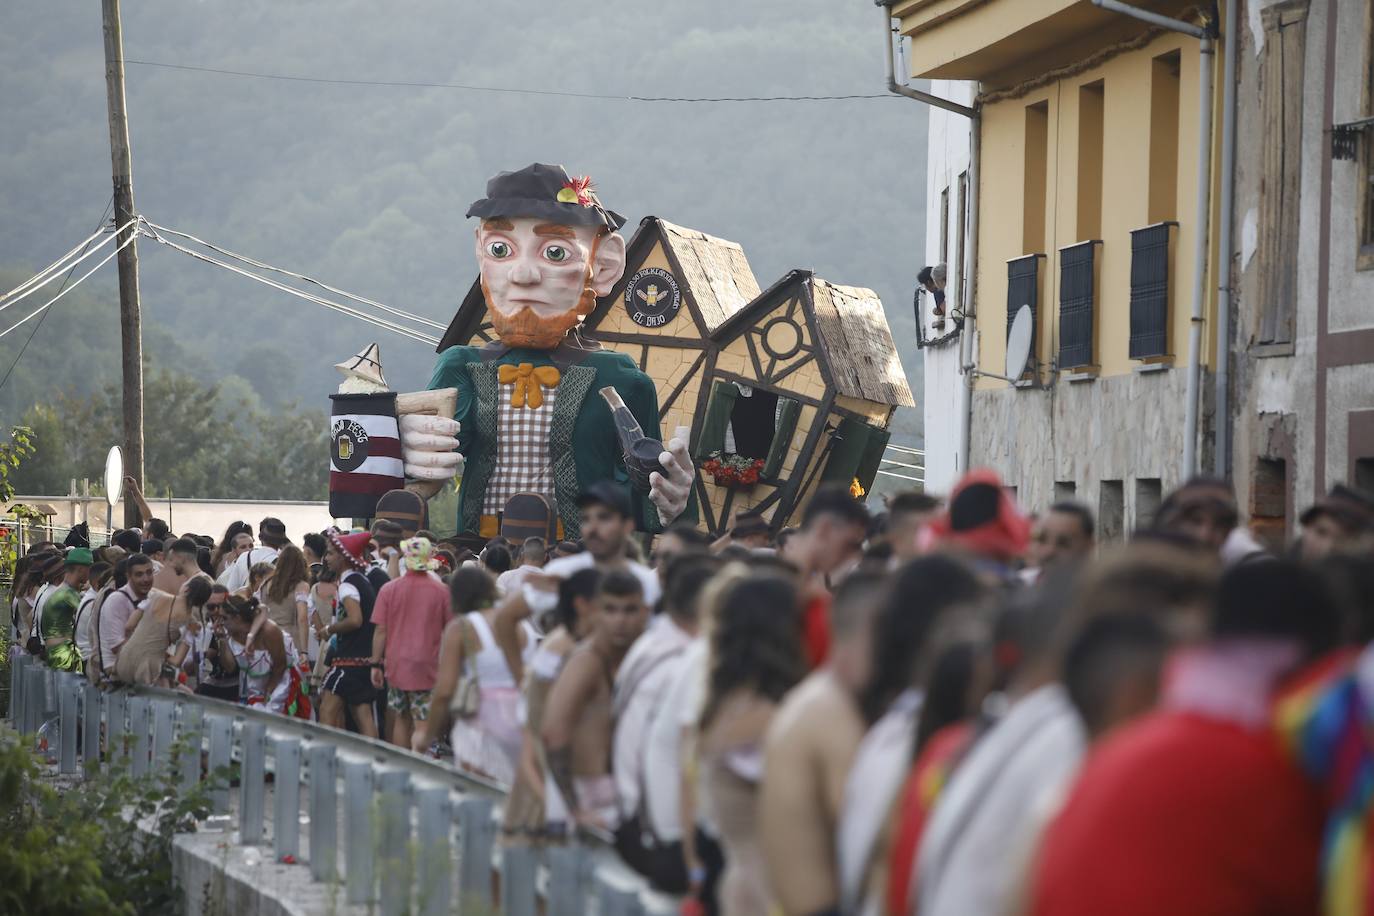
(436, 851)
(220, 759)
(164, 722)
(49, 695)
(476, 835)
(192, 726)
(324, 813)
(16, 687)
(139, 726)
(358, 823)
(393, 847)
(517, 881)
(116, 729)
(568, 871)
(286, 796)
(251, 791)
(68, 691)
(90, 719)
(615, 899)
(33, 698)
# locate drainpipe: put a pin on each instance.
(1206, 51)
(966, 361)
(1222, 466)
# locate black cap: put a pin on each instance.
(152, 546)
(535, 191)
(608, 494)
(1349, 506)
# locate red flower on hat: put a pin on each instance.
(577, 191)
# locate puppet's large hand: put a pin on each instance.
(669, 493)
(429, 451)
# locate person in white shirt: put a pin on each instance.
(271, 537)
(641, 685)
(112, 617)
(101, 573)
(533, 555)
(607, 523)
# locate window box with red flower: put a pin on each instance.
(735, 471)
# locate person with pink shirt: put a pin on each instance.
(410, 616)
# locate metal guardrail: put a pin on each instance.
(393, 801)
(909, 464)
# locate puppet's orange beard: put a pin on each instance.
(526, 328)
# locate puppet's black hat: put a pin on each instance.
(545, 192)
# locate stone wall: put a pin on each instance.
(1126, 428)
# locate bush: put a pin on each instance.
(76, 848)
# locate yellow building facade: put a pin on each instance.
(1087, 211)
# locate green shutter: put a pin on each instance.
(788, 411)
(873, 458)
(847, 450)
(711, 436)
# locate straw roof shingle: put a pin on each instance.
(858, 343)
(715, 270)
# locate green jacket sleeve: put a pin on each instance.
(451, 372)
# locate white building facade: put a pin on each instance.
(947, 242)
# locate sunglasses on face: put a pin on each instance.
(214, 605)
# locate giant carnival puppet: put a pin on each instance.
(539, 415)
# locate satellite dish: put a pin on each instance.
(1019, 342)
(114, 476)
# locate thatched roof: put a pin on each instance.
(858, 343)
(715, 270)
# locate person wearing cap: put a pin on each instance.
(1339, 522)
(606, 521)
(58, 624)
(349, 681)
(529, 418)
(409, 619)
(271, 539)
(49, 573)
(1203, 510)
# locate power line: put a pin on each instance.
(148, 229)
(60, 291)
(509, 89)
(263, 266)
(79, 280)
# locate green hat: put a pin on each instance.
(78, 556)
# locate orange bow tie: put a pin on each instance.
(530, 383)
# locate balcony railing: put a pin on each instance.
(1023, 288)
(1077, 303)
(1150, 249)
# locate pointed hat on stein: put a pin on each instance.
(367, 365)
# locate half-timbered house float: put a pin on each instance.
(784, 389)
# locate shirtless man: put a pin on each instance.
(179, 566)
(577, 720)
(807, 755)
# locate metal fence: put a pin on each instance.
(904, 463)
(393, 803)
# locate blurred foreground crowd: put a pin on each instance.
(948, 708)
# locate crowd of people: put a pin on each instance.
(945, 707)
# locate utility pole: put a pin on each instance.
(130, 319)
